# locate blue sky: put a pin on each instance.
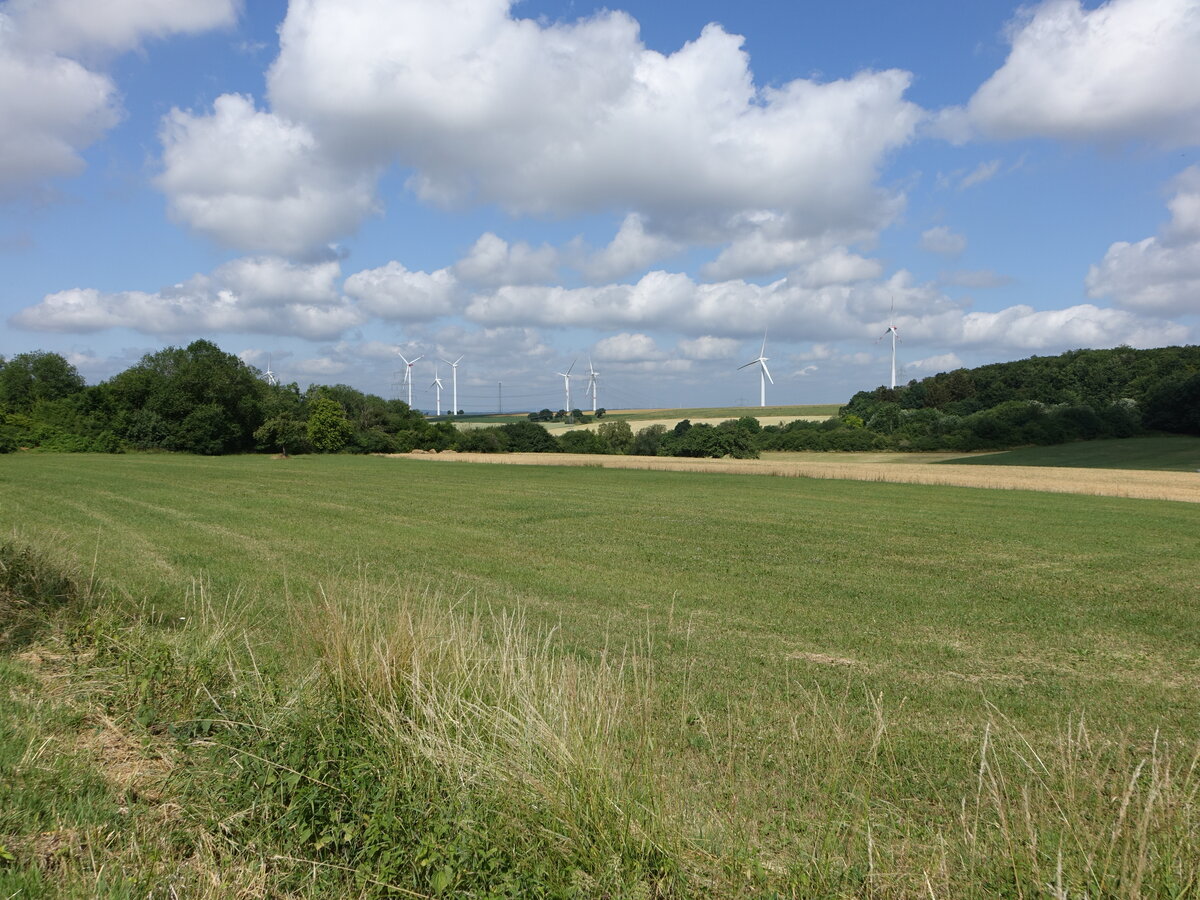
(651, 186)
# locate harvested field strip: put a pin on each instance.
(1182, 486)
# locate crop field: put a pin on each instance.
(896, 468)
(1174, 453)
(640, 418)
(829, 687)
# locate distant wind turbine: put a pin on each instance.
(891, 329)
(592, 376)
(454, 369)
(566, 376)
(408, 374)
(437, 383)
(271, 379)
(764, 375)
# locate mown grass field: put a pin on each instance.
(828, 667)
(1173, 453)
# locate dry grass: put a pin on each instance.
(671, 422)
(1182, 486)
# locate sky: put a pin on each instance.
(648, 190)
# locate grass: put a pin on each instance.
(1176, 453)
(818, 687)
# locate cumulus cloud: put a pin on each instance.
(1024, 328)
(560, 118)
(632, 249)
(708, 347)
(493, 261)
(942, 240)
(53, 105)
(257, 181)
(626, 347)
(944, 362)
(70, 26)
(393, 292)
(1126, 69)
(247, 296)
(1157, 274)
(52, 108)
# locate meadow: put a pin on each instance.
(1164, 453)
(808, 687)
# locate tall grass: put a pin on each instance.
(416, 743)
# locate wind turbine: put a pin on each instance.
(566, 376)
(271, 379)
(592, 375)
(891, 329)
(454, 368)
(437, 383)
(764, 376)
(408, 374)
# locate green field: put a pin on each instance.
(846, 686)
(1174, 453)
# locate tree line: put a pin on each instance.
(199, 399)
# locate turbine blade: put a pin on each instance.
(747, 365)
(763, 351)
(572, 365)
(766, 371)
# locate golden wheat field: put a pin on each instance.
(888, 467)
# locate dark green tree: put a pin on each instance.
(328, 429)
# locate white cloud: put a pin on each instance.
(1024, 328)
(1157, 274)
(945, 362)
(985, 171)
(52, 108)
(271, 281)
(941, 239)
(70, 26)
(1126, 69)
(247, 296)
(256, 181)
(708, 347)
(632, 249)
(559, 118)
(393, 292)
(52, 105)
(492, 261)
(626, 347)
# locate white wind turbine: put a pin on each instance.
(408, 373)
(566, 376)
(437, 383)
(764, 375)
(271, 379)
(454, 368)
(592, 376)
(891, 329)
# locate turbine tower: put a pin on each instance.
(408, 374)
(764, 375)
(454, 368)
(891, 329)
(271, 379)
(592, 376)
(566, 376)
(437, 383)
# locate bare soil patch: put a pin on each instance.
(1146, 485)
